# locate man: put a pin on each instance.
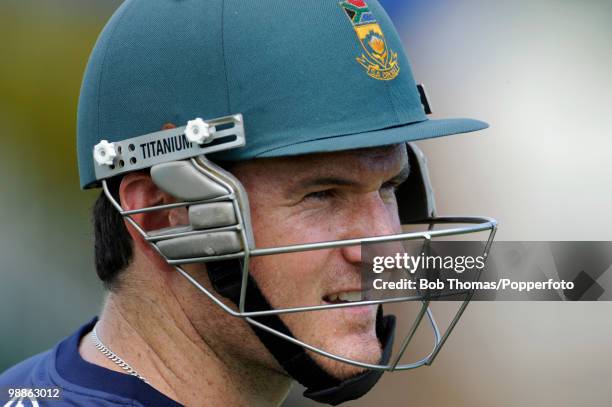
(232, 138)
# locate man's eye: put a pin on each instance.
(319, 195)
(387, 190)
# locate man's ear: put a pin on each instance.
(138, 191)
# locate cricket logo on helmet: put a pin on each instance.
(379, 61)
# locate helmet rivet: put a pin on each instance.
(198, 131)
(104, 153)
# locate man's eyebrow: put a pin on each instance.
(326, 181)
(322, 181)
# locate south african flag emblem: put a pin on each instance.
(379, 61)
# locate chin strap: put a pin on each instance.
(225, 277)
(357, 386)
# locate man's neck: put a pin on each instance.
(166, 350)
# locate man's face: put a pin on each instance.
(315, 198)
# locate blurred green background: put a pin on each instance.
(48, 285)
(538, 71)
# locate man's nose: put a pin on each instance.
(370, 216)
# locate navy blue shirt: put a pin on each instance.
(81, 383)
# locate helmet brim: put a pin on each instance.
(377, 138)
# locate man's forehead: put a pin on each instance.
(371, 160)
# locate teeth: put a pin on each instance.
(350, 296)
(347, 296)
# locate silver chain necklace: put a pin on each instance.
(112, 356)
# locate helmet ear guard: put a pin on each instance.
(218, 226)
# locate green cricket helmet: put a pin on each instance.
(244, 79)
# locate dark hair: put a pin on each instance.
(113, 244)
(113, 250)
